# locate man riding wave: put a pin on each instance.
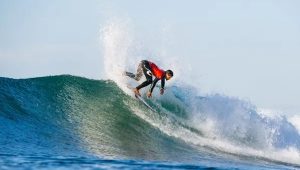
(148, 69)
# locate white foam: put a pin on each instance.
(169, 127)
(295, 120)
(270, 113)
(116, 38)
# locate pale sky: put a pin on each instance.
(242, 48)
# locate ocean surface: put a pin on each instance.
(69, 122)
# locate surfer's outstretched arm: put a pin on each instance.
(152, 87)
(153, 84)
(162, 86)
(162, 83)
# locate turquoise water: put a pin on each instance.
(68, 122)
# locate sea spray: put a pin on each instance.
(222, 123)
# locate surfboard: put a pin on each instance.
(142, 100)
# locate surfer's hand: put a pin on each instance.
(161, 91)
(149, 95)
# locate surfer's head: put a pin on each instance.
(169, 74)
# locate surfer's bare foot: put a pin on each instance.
(136, 91)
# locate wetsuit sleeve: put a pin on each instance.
(162, 83)
(153, 84)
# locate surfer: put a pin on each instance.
(149, 69)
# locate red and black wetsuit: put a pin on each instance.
(150, 69)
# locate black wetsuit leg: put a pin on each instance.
(148, 74)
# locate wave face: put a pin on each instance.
(35, 117)
(68, 115)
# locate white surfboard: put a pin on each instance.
(142, 100)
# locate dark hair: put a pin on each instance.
(169, 72)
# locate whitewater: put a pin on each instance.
(72, 122)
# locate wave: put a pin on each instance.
(68, 115)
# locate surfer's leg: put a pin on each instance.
(148, 74)
(131, 75)
(144, 84)
(139, 72)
